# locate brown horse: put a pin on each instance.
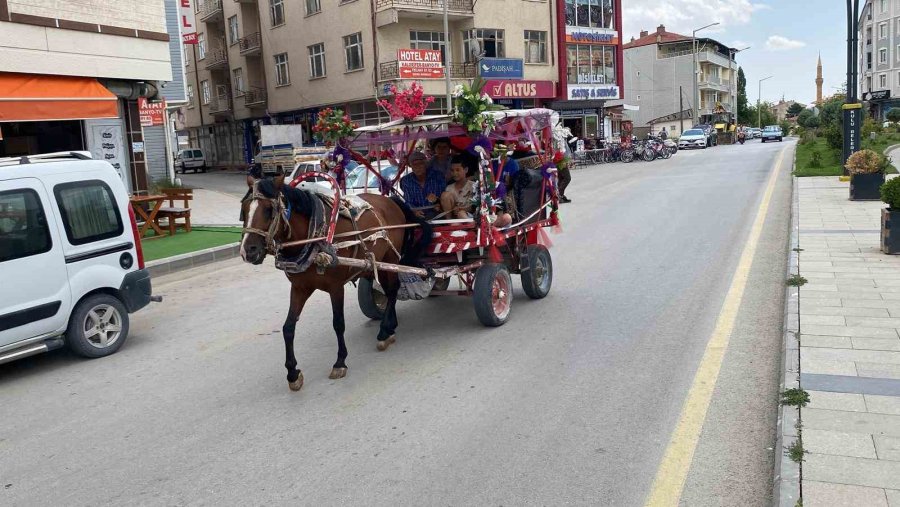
(275, 213)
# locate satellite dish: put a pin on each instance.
(475, 50)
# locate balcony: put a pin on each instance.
(216, 59)
(220, 104)
(715, 58)
(390, 71)
(245, 1)
(251, 45)
(255, 97)
(390, 11)
(211, 11)
(714, 83)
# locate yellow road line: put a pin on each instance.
(672, 472)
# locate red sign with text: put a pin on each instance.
(420, 64)
(517, 89)
(152, 114)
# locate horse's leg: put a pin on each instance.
(337, 309)
(391, 285)
(298, 299)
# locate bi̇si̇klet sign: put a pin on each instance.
(420, 64)
(152, 114)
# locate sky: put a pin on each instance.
(785, 38)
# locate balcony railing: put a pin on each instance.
(456, 6)
(216, 59)
(211, 10)
(245, 1)
(220, 104)
(255, 97)
(388, 71)
(250, 44)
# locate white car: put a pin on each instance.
(192, 158)
(71, 263)
(693, 138)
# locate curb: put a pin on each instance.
(787, 484)
(190, 260)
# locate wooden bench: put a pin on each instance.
(172, 213)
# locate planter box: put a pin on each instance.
(890, 231)
(865, 187)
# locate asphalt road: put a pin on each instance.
(571, 402)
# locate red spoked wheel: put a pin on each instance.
(492, 294)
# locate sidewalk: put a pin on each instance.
(849, 350)
(211, 208)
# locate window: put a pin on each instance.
(234, 34)
(276, 10)
(591, 64)
(535, 46)
(882, 55)
(353, 51)
(491, 41)
(882, 31)
(238, 78)
(316, 60)
(883, 5)
(190, 95)
(89, 211)
(204, 92)
(898, 79)
(882, 81)
(428, 40)
(312, 7)
(201, 46)
(282, 70)
(23, 225)
(187, 55)
(590, 13)
(869, 60)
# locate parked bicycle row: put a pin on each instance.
(646, 150)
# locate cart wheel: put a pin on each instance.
(492, 294)
(537, 279)
(371, 302)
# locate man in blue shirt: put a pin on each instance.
(423, 187)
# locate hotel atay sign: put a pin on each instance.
(420, 64)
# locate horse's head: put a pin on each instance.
(263, 214)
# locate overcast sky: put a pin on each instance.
(785, 38)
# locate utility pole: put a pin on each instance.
(852, 109)
(447, 56)
(758, 104)
(681, 108)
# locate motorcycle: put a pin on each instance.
(671, 145)
(742, 137)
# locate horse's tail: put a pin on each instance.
(413, 247)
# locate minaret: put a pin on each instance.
(819, 81)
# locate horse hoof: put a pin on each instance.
(384, 344)
(337, 373)
(297, 384)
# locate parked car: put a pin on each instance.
(711, 134)
(757, 133)
(192, 158)
(71, 262)
(693, 138)
(772, 133)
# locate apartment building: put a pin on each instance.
(71, 72)
(879, 52)
(659, 78)
(280, 61)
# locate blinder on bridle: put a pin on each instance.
(281, 215)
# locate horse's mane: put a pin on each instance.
(301, 201)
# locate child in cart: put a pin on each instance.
(458, 199)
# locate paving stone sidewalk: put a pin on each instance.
(849, 350)
(212, 208)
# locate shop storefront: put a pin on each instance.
(519, 93)
(879, 103)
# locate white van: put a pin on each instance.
(71, 265)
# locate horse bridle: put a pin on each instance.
(279, 211)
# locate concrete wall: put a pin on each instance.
(138, 14)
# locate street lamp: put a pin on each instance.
(734, 90)
(447, 56)
(696, 64)
(758, 96)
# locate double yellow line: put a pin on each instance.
(676, 463)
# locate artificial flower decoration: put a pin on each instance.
(408, 103)
(470, 103)
(333, 125)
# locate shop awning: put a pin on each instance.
(34, 97)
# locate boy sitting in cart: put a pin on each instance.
(458, 199)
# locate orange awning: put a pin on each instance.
(34, 97)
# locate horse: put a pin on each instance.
(275, 213)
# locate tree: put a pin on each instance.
(795, 109)
(763, 118)
(808, 119)
(893, 114)
(831, 112)
(743, 112)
